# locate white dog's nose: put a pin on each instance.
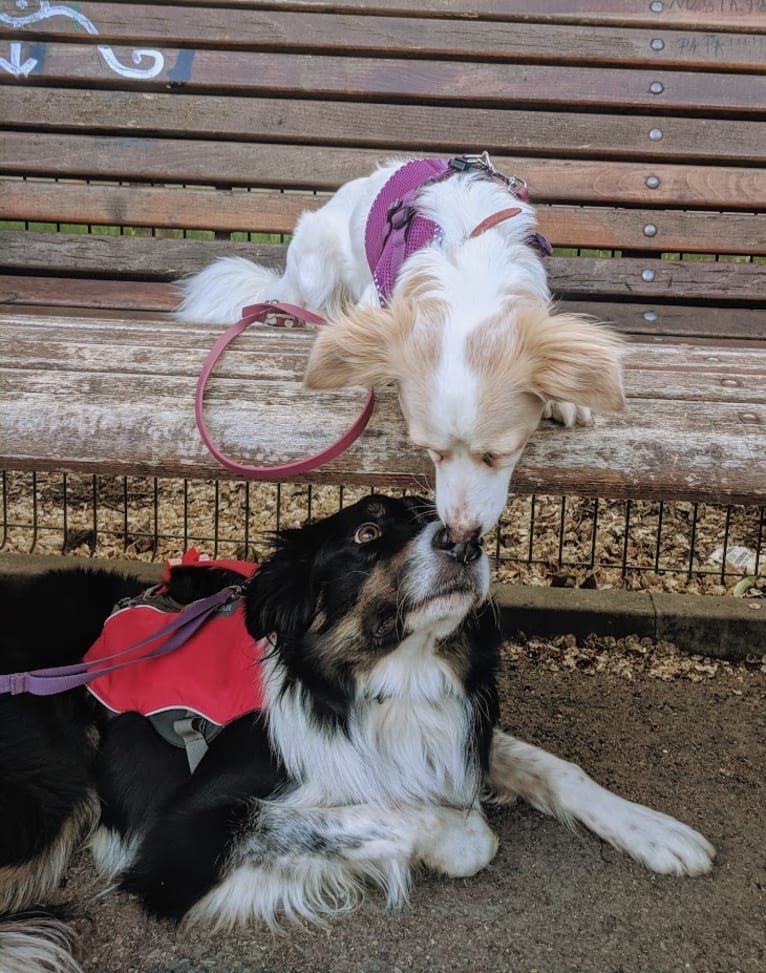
(464, 550)
(463, 535)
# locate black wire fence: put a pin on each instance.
(546, 540)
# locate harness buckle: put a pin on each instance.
(398, 215)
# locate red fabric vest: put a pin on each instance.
(216, 674)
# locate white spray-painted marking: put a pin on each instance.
(45, 12)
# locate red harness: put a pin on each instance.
(215, 677)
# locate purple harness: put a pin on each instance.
(395, 229)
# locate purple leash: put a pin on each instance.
(47, 682)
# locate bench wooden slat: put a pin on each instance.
(569, 276)
(554, 180)
(675, 320)
(389, 128)
(158, 347)
(738, 15)
(74, 292)
(291, 31)
(410, 80)
(169, 259)
(132, 414)
(582, 226)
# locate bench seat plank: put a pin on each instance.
(116, 394)
(165, 347)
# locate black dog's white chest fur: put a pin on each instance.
(407, 735)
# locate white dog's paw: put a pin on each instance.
(660, 842)
(568, 414)
(460, 846)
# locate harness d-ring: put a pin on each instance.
(258, 312)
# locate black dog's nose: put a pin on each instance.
(464, 551)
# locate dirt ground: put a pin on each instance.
(689, 741)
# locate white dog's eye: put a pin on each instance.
(489, 459)
(437, 456)
(367, 533)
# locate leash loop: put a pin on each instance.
(514, 184)
(269, 312)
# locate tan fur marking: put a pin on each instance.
(525, 349)
(374, 346)
(33, 881)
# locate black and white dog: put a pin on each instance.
(373, 753)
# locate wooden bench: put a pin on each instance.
(138, 138)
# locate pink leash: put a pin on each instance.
(258, 312)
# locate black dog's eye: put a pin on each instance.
(367, 533)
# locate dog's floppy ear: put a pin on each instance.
(352, 349)
(575, 360)
(281, 598)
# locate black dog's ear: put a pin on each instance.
(189, 582)
(281, 598)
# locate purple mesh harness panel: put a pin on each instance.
(394, 228)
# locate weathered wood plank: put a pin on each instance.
(157, 347)
(408, 80)
(143, 257)
(658, 450)
(76, 292)
(328, 124)
(673, 321)
(294, 31)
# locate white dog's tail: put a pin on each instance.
(36, 943)
(219, 292)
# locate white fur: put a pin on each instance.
(36, 945)
(111, 852)
(563, 789)
(473, 279)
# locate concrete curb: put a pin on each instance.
(727, 628)
(724, 627)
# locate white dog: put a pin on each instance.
(428, 278)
